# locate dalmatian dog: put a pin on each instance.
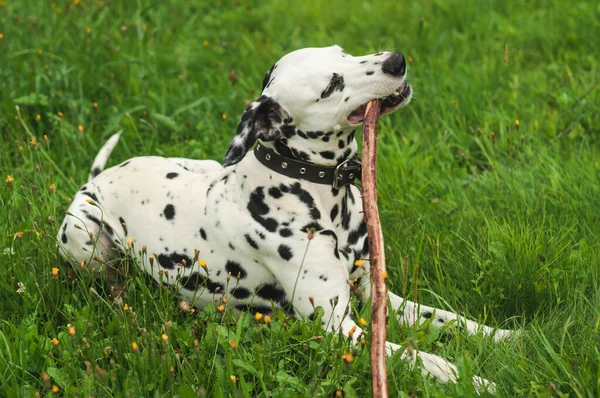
(279, 225)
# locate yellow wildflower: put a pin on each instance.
(362, 322)
(258, 316)
(54, 271)
(347, 357)
(351, 331)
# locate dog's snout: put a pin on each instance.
(394, 65)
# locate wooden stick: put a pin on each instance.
(376, 250)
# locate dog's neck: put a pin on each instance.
(324, 148)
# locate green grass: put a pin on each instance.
(502, 220)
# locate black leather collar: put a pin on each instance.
(336, 176)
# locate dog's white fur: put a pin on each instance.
(267, 240)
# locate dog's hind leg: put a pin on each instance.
(409, 312)
(86, 239)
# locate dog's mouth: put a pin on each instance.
(389, 104)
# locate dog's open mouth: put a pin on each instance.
(388, 104)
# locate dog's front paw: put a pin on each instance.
(446, 372)
(506, 334)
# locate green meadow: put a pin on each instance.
(489, 192)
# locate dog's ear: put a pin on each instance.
(261, 120)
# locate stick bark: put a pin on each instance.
(376, 249)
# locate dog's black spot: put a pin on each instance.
(346, 99)
(251, 241)
(288, 131)
(345, 155)
(341, 144)
(351, 196)
(231, 246)
(124, 163)
(93, 218)
(83, 188)
(240, 293)
(285, 232)
(285, 252)
(169, 261)
(193, 281)
(92, 195)
(170, 176)
(369, 73)
(350, 138)
(123, 224)
(378, 54)
(267, 77)
(336, 83)
(306, 198)
(107, 228)
(258, 208)
(354, 235)
(235, 269)
(196, 281)
(365, 249)
(363, 62)
(315, 134)
(327, 154)
(426, 315)
(63, 237)
(253, 309)
(203, 233)
(270, 291)
(329, 232)
(274, 192)
(346, 215)
(96, 171)
(169, 212)
(323, 278)
(334, 212)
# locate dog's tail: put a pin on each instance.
(103, 154)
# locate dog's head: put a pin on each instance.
(314, 98)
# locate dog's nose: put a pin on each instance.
(394, 65)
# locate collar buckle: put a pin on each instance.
(346, 172)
